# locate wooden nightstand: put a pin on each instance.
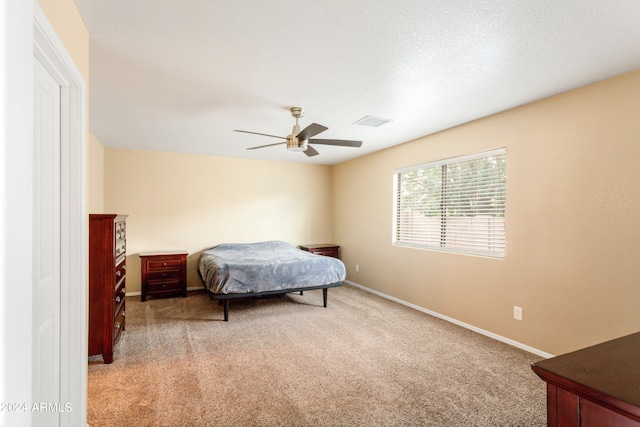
(326, 249)
(164, 274)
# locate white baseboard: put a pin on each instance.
(455, 322)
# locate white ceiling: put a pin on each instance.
(182, 75)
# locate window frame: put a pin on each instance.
(441, 246)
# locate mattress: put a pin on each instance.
(240, 268)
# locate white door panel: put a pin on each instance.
(46, 250)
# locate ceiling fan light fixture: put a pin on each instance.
(372, 121)
(294, 145)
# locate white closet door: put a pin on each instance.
(46, 247)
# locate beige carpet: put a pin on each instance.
(362, 361)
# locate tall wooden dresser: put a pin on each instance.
(107, 282)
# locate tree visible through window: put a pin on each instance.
(454, 205)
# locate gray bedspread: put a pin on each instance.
(238, 268)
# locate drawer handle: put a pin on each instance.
(118, 273)
(122, 313)
(117, 325)
(124, 267)
(164, 263)
(118, 299)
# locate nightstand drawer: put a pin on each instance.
(163, 274)
(164, 285)
(326, 252)
(326, 249)
(164, 263)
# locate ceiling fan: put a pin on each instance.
(299, 140)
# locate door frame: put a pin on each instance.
(24, 32)
(16, 205)
(48, 48)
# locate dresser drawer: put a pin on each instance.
(121, 270)
(121, 249)
(120, 230)
(118, 323)
(118, 300)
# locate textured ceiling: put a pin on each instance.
(182, 75)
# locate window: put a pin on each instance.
(454, 205)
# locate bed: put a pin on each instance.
(241, 270)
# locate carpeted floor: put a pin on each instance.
(362, 361)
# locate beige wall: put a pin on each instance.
(191, 202)
(573, 222)
(95, 178)
(573, 210)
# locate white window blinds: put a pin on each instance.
(455, 205)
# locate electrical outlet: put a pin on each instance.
(517, 312)
(357, 268)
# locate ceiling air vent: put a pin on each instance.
(371, 121)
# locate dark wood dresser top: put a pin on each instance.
(611, 368)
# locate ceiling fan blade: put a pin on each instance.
(312, 130)
(263, 146)
(310, 151)
(340, 142)
(257, 133)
